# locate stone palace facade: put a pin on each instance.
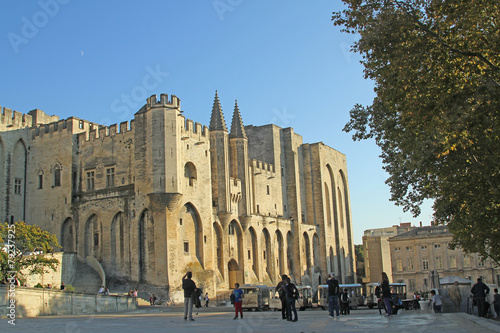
(160, 195)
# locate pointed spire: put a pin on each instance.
(237, 128)
(217, 122)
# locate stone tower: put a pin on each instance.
(238, 142)
(219, 150)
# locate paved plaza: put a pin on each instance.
(170, 319)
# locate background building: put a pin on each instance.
(149, 199)
(414, 254)
(377, 251)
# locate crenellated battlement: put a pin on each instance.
(10, 119)
(69, 126)
(194, 130)
(263, 168)
(103, 132)
(62, 127)
(153, 102)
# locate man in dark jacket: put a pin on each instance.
(480, 290)
(280, 288)
(291, 297)
(189, 287)
(333, 295)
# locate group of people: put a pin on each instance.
(132, 293)
(288, 294)
(480, 291)
(103, 290)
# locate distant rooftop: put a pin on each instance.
(424, 232)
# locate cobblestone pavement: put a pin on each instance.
(160, 319)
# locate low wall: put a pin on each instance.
(33, 302)
(65, 271)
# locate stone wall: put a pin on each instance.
(65, 271)
(33, 302)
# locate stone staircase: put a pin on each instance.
(86, 279)
(117, 287)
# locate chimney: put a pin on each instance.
(420, 224)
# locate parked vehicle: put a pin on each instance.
(274, 301)
(372, 300)
(355, 291)
(255, 297)
(322, 296)
(305, 297)
(399, 289)
(304, 301)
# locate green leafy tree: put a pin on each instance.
(436, 114)
(359, 250)
(22, 247)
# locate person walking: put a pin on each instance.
(456, 297)
(206, 300)
(333, 295)
(437, 301)
(280, 288)
(238, 301)
(189, 287)
(480, 290)
(386, 294)
(496, 302)
(292, 294)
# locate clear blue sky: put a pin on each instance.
(283, 60)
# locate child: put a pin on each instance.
(437, 301)
(238, 295)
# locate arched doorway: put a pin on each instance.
(68, 236)
(191, 234)
(219, 248)
(146, 245)
(267, 254)
(280, 261)
(93, 237)
(235, 274)
(117, 241)
(306, 253)
(18, 180)
(316, 249)
(254, 251)
(235, 253)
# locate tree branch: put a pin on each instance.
(425, 28)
